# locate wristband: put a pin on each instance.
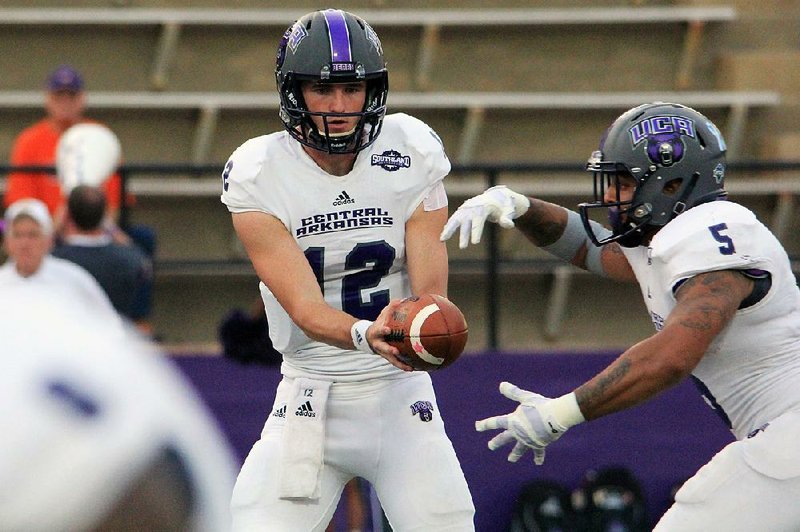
(358, 332)
(573, 237)
(565, 411)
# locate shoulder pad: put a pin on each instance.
(713, 236)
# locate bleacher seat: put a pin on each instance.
(516, 80)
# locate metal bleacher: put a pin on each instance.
(171, 100)
(470, 104)
(209, 105)
(470, 110)
(171, 22)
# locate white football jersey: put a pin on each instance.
(752, 369)
(351, 228)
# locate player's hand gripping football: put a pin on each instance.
(537, 422)
(497, 204)
(376, 336)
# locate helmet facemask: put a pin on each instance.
(625, 227)
(299, 122)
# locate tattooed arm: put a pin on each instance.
(551, 227)
(705, 305)
(544, 223)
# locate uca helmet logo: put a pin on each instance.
(663, 135)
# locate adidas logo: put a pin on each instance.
(280, 412)
(305, 410)
(343, 199)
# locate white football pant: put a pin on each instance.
(389, 432)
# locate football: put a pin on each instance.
(429, 330)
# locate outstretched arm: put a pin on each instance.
(560, 232)
(706, 304)
(555, 229)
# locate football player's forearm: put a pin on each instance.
(638, 374)
(543, 223)
(561, 233)
(323, 323)
(615, 388)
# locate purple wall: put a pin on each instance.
(662, 442)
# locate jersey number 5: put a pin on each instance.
(372, 260)
(727, 247)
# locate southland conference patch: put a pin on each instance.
(391, 160)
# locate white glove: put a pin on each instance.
(537, 422)
(497, 204)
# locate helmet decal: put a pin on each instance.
(719, 173)
(665, 149)
(299, 33)
(339, 37)
(657, 125)
(663, 136)
(280, 56)
(373, 38)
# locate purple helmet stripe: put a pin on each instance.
(338, 35)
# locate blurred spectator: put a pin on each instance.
(36, 145)
(544, 505)
(28, 239)
(123, 270)
(611, 499)
(99, 431)
(244, 336)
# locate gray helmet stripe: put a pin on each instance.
(339, 36)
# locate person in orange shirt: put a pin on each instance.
(36, 146)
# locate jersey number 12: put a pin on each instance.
(373, 261)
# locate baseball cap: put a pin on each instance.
(65, 78)
(32, 208)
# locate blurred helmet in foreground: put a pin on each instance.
(99, 431)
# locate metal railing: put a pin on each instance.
(780, 179)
